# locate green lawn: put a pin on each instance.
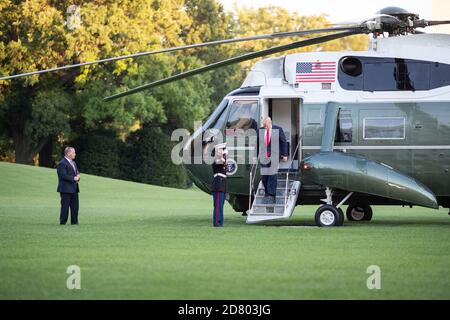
(138, 241)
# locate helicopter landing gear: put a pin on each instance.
(359, 212)
(244, 214)
(330, 215)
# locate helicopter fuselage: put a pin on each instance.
(394, 109)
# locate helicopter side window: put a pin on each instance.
(344, 127)
(384, 128)
(440, 75)
(379, 76)
(399, 75)
(243, 116)
(412, 75)
(391, 74)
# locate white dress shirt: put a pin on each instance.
(72, 164)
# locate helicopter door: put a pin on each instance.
(285, 113)
(240, 134)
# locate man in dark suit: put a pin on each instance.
(270, 156)
(68, 179)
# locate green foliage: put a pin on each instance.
(6, 148)
(30, 116)
(146, 158)
(50, 112)
(63, 106)
(98, 153)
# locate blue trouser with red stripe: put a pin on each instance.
(219, 200)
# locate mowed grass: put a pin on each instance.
(138, 241)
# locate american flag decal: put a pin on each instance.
(323, 71)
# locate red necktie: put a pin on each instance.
(267, 143)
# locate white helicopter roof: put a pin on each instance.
(272, 73)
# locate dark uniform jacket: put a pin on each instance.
(219, 183)
(66, 174)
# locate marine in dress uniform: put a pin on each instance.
(219, 184)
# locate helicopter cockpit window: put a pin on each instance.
(215, 123)
(344, 127)
(243, 116)
(220, 121)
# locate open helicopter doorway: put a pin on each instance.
(286, 114)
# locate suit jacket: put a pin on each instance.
(282, 143)
(66, 175)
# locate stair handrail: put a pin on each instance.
(287, 174)
(252, 181)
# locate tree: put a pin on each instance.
(32, 34)
(98, 153)
(66, 105)
(35, 34)
(30, 117)
(146, 158)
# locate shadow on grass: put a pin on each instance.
(240, 221)
(400, 222)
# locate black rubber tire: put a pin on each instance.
(364, 209)
(332, 218)
(341, 217)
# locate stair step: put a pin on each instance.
(283, 174)
(284, 181)
(260, 201)
(281, 205)
(283, 185)
(281, 192)
(272, 210)
(282, 208)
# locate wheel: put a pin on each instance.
(359, 212)
(341, 217)
(327, 216)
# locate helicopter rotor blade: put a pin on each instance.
(190, 46)
(429, 23)
(245, 57)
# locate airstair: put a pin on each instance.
(287, 193)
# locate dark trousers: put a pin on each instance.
(219, 200)
(69, 200)
(270, 184)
